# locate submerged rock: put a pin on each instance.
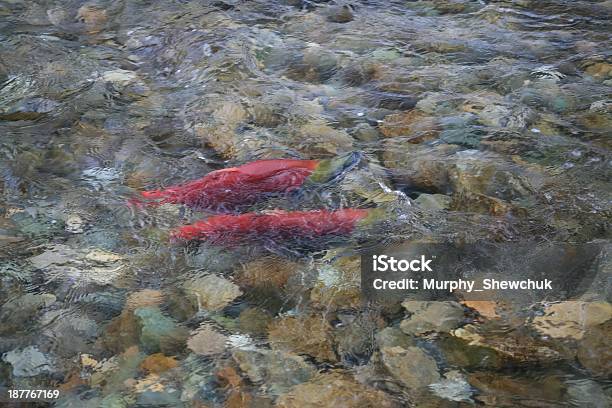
(318, 138)
(393, 337)
(587, 393)
(453, 387)
(272, 271)
(594, 351)
(79, 267)
(599, 70)
(434, 202)
(159, 398)
(158, 363)
(410, 366)
(507, 390)
(29, 109)
(355, 337)
(431, 316)
(120, 77)
(93, 17)
(570, 319)
(206, 341)
(69, 330)
(310, 335)
(415, 125)
(159, 332)
(29, 362)
(277, 371)
(513, 346)
(341, 13)
(254, 321)
(334, 390)
(211, 292)
(18, 312)
(75, 224)
(338, 285)
(464, 354)
(220, 134)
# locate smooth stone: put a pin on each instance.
(594, 351)
(411, 366)
(570, 319)
(334, 389)
(212, 292)
(431, 316)
(29, 362)
(18, 313)
(278, 370)
(303, 335)
(434, 202)
(206, 341)
(159, 332)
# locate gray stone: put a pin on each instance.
(29, 362)
(278, 370)
(411, 366)
(18, 312)
(212, 292)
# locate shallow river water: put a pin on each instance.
(463, 121)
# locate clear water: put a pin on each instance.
(502, 106)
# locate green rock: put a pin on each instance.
(169, 398)
(38, 226)
(386, 54)
(159, 332)
(113, 401)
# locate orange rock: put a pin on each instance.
(416, 125)
(237, 399)
(93, 17)
(158, 363)
(334, 390)
(599, 70)
(266, 271)
(304, 335)
(144, 298)
(483, 204)
(121, 333)
(486, 308)
(229, 376)
(73, 381)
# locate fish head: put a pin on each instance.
(333, 169)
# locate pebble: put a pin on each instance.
(431, 316)
(410, 366)
(211, 292)
(206, 341)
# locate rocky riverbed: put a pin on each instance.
(477, 120)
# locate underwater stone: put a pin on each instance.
(159, 332)
(29, 362)
(212, 292)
